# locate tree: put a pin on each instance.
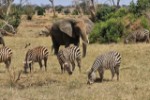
(9, 19)
(116, 4)
(53, 7)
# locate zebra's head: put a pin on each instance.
(91, 77)
(26, 65)
(67, 66)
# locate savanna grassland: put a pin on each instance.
(134, 83)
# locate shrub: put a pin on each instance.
(75, 12)
(40, 10)
(144, 22)
(66, 11)
(59, 8)
(94, 36)
(107, 32)
(104, 11)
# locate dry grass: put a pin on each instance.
(134, 81)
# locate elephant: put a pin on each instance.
(68, 31)
(140, 35)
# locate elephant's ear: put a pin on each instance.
(66, 28)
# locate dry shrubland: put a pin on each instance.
(134, 83)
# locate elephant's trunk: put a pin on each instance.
(85, 41)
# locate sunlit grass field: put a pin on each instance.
(134, 83)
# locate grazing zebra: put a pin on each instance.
(36, 55)
(67, 57)
(5, 56)
(141, 35)
(110, 60)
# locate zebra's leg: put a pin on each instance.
(62, 69)
(117, 72)
(40, 64)
(73, 65)
(30, 66)
(7, 63)
(101, 73)
(112, 73)
(45, 63)
(79, 63)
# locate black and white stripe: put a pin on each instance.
(5, 56)
(36, 55)
(110, 60)
(140, 35)
(67, 58)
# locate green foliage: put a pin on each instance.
(139, 7)
(29, 11)
(104, 11)
(95, 34)
(119, 13)
(40, 10)
(143, 4)
(107, 32)
(15, 21)
(66, 11)
(59, 8)
(75, 12)
(144, 22)
(132, 7)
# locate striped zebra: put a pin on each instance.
(110, 60)
(5, 56)
(141, 35)
(67, 57)
(36, 55)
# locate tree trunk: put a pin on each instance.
(53, 7)
(92, 10)
(113, 2)
(118, 1)
(8, 7)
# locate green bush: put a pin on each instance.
(144, 22)
(104, 11)
(75, 12)
(107, 32)
(59, 8)
(66, 11)
(40, 10)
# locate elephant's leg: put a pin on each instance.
(77, 41)
(56, 48)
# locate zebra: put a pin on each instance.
(140, 35)
(36, 54)
(110, 60)
(66, 58)
(5, 56)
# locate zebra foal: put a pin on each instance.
(110, 60)
(36, 55)
(67, 58)
(5, 56)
